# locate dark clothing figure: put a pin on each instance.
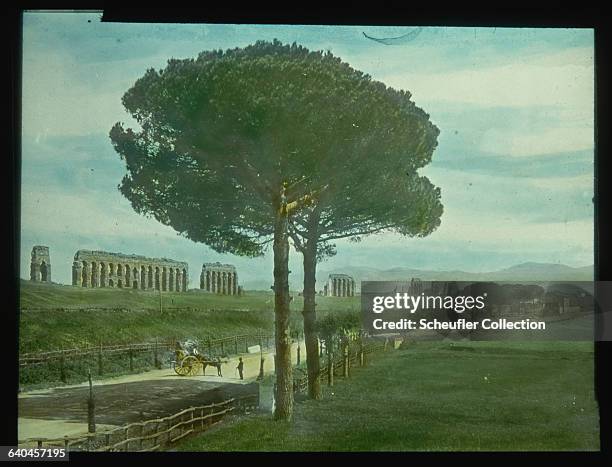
(240, 368)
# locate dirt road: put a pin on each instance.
(125, 399)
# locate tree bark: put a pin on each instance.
(284, 377)
(310, 317)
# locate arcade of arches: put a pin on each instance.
(115, 270)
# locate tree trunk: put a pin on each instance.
(310, 317)
(284, 378)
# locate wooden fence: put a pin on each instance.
(355, 355)
(62, 358)
(150, 435)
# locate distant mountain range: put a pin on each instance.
(528, 272)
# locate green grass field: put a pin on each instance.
(56, 316)
(434, 396)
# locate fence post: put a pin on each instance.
(62, 369)
(346, 361)
(261, 368)
(361, 355)
(100, 366)
(91, 407)
(156, 355)
(330, 370)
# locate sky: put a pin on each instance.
(515, 160)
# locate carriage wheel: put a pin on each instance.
(180, 369)
(191, 365)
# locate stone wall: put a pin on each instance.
(116, 270)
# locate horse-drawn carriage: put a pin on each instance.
(189, 363)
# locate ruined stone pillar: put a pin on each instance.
(95, 275)
(179, 281)
(235, 291)
(224, 283)
(229, 283)
(77, 273)
(171, 279)
(85, 278)
(103, 275)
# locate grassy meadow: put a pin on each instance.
(439, 396)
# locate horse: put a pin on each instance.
(216, 364)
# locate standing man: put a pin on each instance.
(240, 367)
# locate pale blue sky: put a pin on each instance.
(514, 162)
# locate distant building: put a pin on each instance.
(339, 285)
(40, 266)
(219, 278)
(116, 270)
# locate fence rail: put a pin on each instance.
(224, 344)
(150, 435)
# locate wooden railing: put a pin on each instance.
(150, 435)
(342, 363)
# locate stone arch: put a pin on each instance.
(164, 279)
(119, 283)
(150, 284)
(43, 271)
(157, 281)
(143, 277)
(135, 285)
(171, 281)
(111, 269)
(127, 274)
(111, 283)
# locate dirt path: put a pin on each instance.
(60, 411)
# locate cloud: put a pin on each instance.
(550, 141)
(562, 79)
